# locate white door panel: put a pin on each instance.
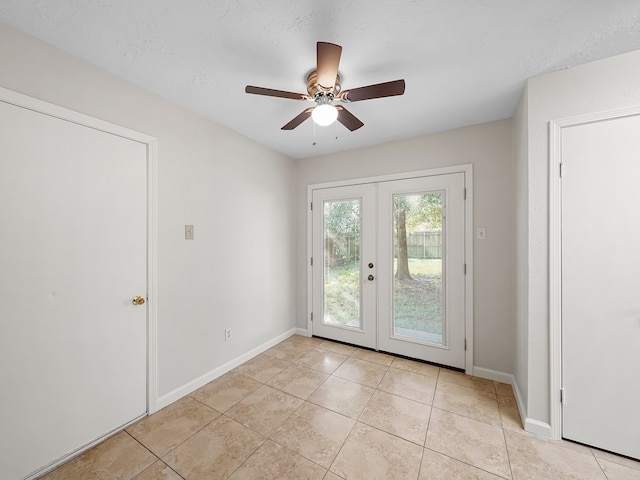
(72, 255)
(601, 285)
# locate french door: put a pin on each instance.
(389, 266)
(344, 229)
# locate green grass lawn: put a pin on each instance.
(417, 303)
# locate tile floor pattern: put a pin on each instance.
(313, 409)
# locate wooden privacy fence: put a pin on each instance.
(424, 245)
(342, 250)
(419, 245)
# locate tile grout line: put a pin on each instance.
(464, 416)
(426, 433)
(356, 420)
(616, 459)
(301, 455)
(599, 464)
(343, 444)
(471, 418)
(196, 432)
(506, 448)
(251, 454)
(269, 437)
(319, 386)
(158, 459)
(467, 463)
(304, 401)
(433, 400)
(143, 446)
(601, 468)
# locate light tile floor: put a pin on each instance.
(314, 409)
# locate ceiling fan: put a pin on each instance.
(323, 87)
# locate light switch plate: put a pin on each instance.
(481, 233)
(188, 232)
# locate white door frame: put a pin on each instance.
(40, 106)
(467, 169)
(555, 252)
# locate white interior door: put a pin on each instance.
(389, 266)
(344, 300)
(601, 285)
(421, 259)
(73, 347)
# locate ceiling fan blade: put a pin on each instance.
(269, 92)
(328, 61)
(379, 90)
(348, 119)
(298, 120)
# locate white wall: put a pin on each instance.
(488, 147)
(239, 271)
(599, 86)
(521, 241)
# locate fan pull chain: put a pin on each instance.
(335, 128)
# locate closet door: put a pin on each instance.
(601, 284)
(73, 346)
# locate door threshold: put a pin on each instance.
(621, 455)
(397, 355)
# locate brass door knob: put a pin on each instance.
(370, 277)
(138, 301)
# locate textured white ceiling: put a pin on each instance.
(464, 61)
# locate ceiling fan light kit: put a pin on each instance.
(323, 87)
(324, 113)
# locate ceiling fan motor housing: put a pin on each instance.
(313, 88)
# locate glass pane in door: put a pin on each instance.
(418, 287)
(342, 224)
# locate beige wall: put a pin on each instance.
(488, 147)
(233, 190)
(595, 87)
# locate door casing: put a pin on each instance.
(39, 106)
(467, 169)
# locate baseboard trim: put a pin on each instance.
(519, 402)
(535, 427)
(302, 331)
(189, 387)
(494, 375)
(540, 429)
